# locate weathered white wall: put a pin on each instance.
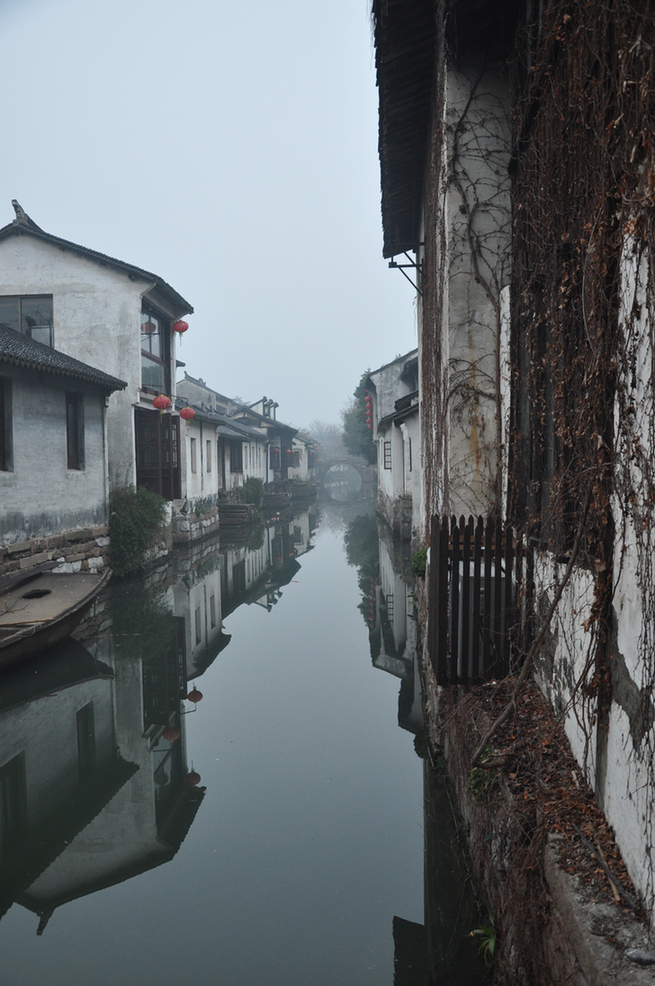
(96, 316)
(478, 214)
(618, 759)
(40, 495)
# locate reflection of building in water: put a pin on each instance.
(392, 628)
(94, 787)
(257, 575)
(197, 602)
(440, 950)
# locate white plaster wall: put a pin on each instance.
(623, 778)
(477, 215)
(96, 315)
(40, 495)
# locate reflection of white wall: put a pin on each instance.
(200, 606)
(124, 834)
(45, 731)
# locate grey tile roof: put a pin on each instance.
(20, 350)
(26, 226)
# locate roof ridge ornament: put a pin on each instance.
(22, 217)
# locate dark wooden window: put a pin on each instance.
(31, 315)
(86, 743)
(275, 457)
(387, 455)
(5, 424)
(209, 456)
(13, 803)
(236, 456)
(75, 431)
(198, 625)
(155, 353)
(295, 459)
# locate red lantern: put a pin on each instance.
(192, 778)
(171, 733)
(180, 327)
(161, 403)
(147, 328)
(187, 414)
(194, 695)
(370, 426)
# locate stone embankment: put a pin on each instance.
(542, 854)
(85, 550)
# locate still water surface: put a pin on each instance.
(308, 839)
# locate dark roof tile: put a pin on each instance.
(20, 350)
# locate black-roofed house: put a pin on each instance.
(53, 458)
(106, 313)
(393, 389)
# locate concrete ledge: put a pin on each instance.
(578, 938)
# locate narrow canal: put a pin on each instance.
(275, 832)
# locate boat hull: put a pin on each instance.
(44, 610)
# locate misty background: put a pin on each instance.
(230, 148)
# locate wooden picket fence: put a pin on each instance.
(474, 596)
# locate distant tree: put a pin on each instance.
(357, 436)
(329, 440)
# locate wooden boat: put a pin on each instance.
(40, 609)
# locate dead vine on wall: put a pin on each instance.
(583, 377)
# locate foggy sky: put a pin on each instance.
(230, 148)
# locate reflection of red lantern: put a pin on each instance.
(194, 695)
(147, 328)
(187, 414)
(161, 403)
(171, 733)
(160, 776)
(192, 778)
(180, 327)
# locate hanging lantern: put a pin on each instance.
(161, 403)
(192, 778)
(180, 327)
(171, 733)
(187, 414)
(194, 695)
(370, 426)
(147, 328)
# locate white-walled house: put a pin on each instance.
(267, 445)
(393, 389)
(218, 455)
(53, 456)
(105, 312)
(303, 459)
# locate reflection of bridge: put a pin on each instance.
(347, 470)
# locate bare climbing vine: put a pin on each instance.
(583, 354)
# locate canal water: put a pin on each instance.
(274, 832)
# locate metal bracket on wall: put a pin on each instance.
(410, 263)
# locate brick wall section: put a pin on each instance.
(85, 550)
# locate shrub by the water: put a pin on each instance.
(135, 519)
(252, 491)
(419, 562)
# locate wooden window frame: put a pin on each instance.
(74, 431)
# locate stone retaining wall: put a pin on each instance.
(193, 526)
(86, 550)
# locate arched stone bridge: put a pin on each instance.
(347, 478)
